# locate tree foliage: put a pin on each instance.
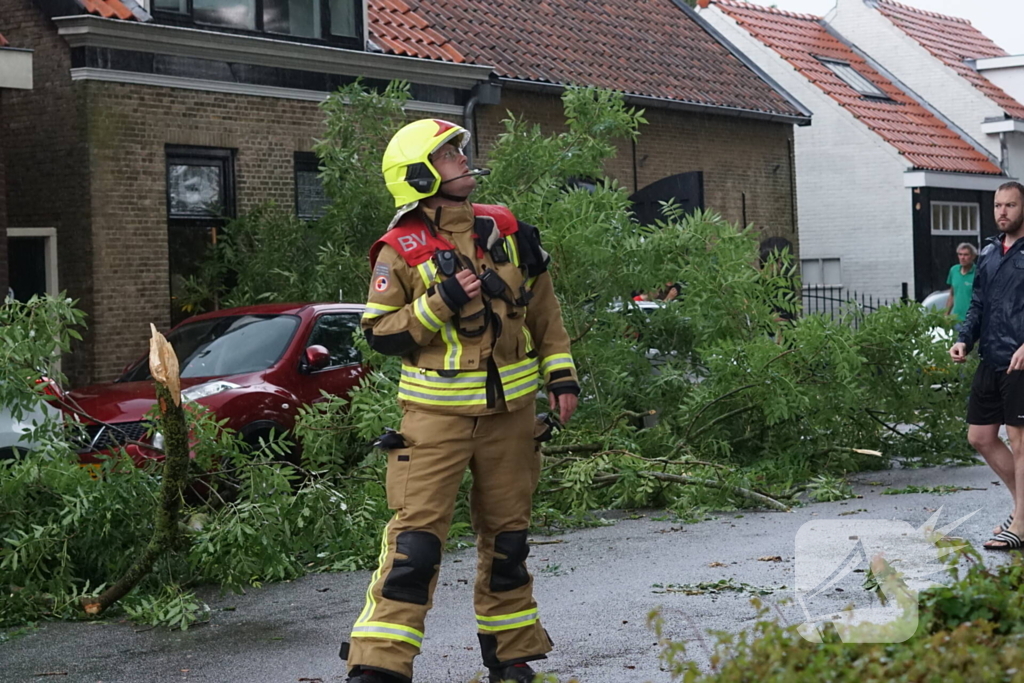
(709, 401)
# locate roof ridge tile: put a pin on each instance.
(923, 12)
(767, 10)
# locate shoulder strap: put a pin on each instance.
(412, 239)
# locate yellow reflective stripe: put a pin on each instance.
(428, 272)
(434, 376)
(529, 339)
(506, 622)
(556, 361)
(426, 316)
(513, 249)
(512, 392)
(371, 603)
(432, 399)
(426, 385)
(377, 310)
(515, 369)
(444, 382)
(453, 354)
(381, 629)
(532, 281)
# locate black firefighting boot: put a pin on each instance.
(371, 676)
(512, 673)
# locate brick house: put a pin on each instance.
(888, 184)
(15, 73)
(148, 118)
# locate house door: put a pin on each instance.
(32, 262)
(944, 219)
(687, 189)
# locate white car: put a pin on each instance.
(936, 300)
(15, 434)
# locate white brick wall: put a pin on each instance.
(1015, 149)
(850, 194)
(1010, 79)
(928, 77)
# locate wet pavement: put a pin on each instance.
(595, 587)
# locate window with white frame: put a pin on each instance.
(956, 218)
(821, 272)
(853, 78)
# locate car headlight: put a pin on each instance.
(208, 389)
(158, 440)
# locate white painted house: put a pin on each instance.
(887, 184)
(949, 63)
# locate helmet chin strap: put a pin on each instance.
(455, 198)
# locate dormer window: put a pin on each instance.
(335, 21)
(852, 78)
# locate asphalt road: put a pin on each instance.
(595, 588)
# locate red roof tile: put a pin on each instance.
(641, 47)
(107, 8)
(401, 31)
(952, 40)
(923, 139)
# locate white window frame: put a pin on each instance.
(50, 247)
(821, 265)
(942, 231)
(50, 234)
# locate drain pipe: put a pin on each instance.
(468, 112)
(482, 93)
(1004, 154)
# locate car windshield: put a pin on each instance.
(218, 347)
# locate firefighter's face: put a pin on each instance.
(451, 163)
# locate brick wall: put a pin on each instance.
(738, 156)
(45, 146)
(91, 162)
(129, 127)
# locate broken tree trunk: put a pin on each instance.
(163, 365)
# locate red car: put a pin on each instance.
(254, 366)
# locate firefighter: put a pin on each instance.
(462, 293)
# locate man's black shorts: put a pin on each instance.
(996, 397)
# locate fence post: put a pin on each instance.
(905, 296)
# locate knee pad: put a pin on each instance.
(510, 573)
(409, 578)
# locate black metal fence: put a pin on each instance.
(839, 303)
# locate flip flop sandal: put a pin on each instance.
(1006, 525)
(1012, 541)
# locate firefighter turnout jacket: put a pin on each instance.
(460, 356)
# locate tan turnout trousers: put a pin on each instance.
(422, 482)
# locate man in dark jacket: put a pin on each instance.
(995, 321)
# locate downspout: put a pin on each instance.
(1004, 154)
(469, 121)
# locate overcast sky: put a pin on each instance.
(1000, 20)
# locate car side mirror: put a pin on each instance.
(317, 358)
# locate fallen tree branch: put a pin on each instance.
(164, 367)
(572, 448)
(693, 481)
(628, 413)
(721, 398)
(909, 437)
(723, 418)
